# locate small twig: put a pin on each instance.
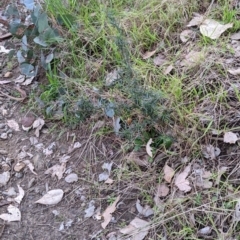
(6, 35)
(23, 94)
(11, 97)
(1, 233)
(4, 22)
(209, 8)
(216, 138)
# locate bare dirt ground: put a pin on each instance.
(41, 221)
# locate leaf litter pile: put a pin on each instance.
(82, 185)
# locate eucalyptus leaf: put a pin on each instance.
(24, 43)
(109, 112)
(17, 29)
(49, 110)
(50, 35)
(35, 14)
(11, 54)
(49, 58)
(28, 3)
(12, 11)
(42, 22)
(40, 41)
(30, 55)
(20, 57)
(31, 32)
(27, 69)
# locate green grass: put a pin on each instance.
(114, 36)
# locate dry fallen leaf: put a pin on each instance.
(230, 137)
(221, 171)
(20, 196)
(57, 170)
(192, 59)
(51, 197)
(168, 70)
(148, 148)
(105, 175)
(140, 159)
(4, 178)
(20, 79)
(210, 152)
(205, 231)
(234, 71)
(168, 173)
(186, 35)
(30, 166)
(72, 177)
(181, 182)
(90, 210)
(38, 124)
(213, 29)
(64, 158)
(13, 125)
(112, 77)
(137, 228)
(107, 214)
(159, 60)
(162, 190)
(236, 36)
(14, 214)
(207, 174)
(109, 181)
(28, 81)
(147, 55)
(10, 192)
(207, 184)
(197, 20)
(4, 50)
(146, 211)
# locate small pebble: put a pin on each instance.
(19, 175)
(4, 136)
(5, 167)
(2, 125)
(31, 197)
(8, 75)
(83, 204)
